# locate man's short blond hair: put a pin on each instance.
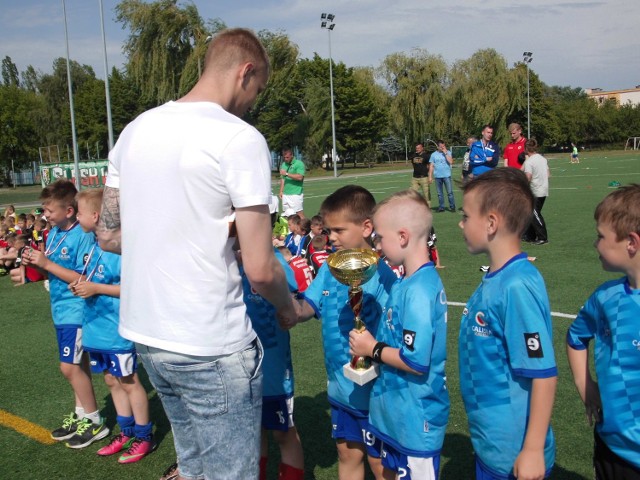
(235, 46)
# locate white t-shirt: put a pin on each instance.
(180, 168)
(538, 167)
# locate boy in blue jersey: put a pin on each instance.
(611, 316)
(508, 372)
(112, 355)
(347, 218)
(66, 249)
(278, 382)
(409, 404)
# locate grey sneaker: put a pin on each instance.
(87, 433)
(68, 428)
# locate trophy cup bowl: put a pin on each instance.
(354, 267)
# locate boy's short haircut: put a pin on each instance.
(317, 220)
(22, 217)
(504, 190)
(621, 210)
(305, 225)
(356, 202)
(286, 253)
(23, 237)
(319, 242)
(421, 220)
(31, 217)
(233, 46)
(531, 146)
(41, 222)
(61, 191)
(93, 197)
(295, 219)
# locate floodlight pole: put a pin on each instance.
(528, 57)
(328, 23)
(76, 166)
(106, 79)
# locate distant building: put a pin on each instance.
(621, 97)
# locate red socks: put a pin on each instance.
(287, 472)
(263, 468)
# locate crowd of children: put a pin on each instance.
(396, 423)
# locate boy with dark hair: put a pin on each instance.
(508, 372)
(110, 354)
(610, 316)
(347, 218)
(409, 404)
(300, 268)
(63, 260)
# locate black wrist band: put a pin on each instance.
(376, 355)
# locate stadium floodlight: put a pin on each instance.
(328, 24)
(527, 57)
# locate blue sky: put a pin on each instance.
(577, 43)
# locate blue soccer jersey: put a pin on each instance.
(505, 342)
(69, 249)
(330, 300)
(102, 312)
(277, 369)
(409, 411)
(611, 315)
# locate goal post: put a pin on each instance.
(633, 143)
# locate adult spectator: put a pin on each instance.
(422, 173)
(291, 178)
(536, 168)
(181, 296)
(441, 161)
(514, 154)
(485, 153)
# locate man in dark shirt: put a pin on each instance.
(422, 173)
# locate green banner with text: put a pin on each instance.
(92, 174)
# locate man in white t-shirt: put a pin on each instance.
(536, 168)
(193, 173)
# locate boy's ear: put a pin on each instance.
(633, 243)
(367, 228)
(492, 222)
(70, 211)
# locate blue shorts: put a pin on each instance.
(277, 414)
(410, 468)
(347, 426)
(117, 364)
(70, 344)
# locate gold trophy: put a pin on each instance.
(355, 267)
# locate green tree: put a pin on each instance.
(165, 43)
(9, 73)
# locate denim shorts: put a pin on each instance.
(214, 405)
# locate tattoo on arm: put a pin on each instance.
(109, 225)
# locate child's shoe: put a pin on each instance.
(68, 428)
(87, 433)
(137, 451)
(117, 444)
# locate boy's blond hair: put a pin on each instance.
(93, 197)
(61, 191)
(506, 191)
(417, 218)
(621, 210)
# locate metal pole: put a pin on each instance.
(528, 106)
(333, 115)
(76, 166)
(106, 79)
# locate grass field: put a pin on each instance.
(34, 390)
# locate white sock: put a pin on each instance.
(94, 417)
(79, 412)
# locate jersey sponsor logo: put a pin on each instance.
(465, 312)
(443, 297)
(390, 319)
(409, 339)
(634, 342)
(101, 269)
(534, 347)
(481, 329)
(325, 293)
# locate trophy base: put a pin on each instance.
(361, 376)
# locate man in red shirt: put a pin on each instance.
(514, 151)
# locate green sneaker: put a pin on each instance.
(68, 428)
(87, 433)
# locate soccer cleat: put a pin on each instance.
(117, 444)
(68, 428)
(87, 433)
(138, 449)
